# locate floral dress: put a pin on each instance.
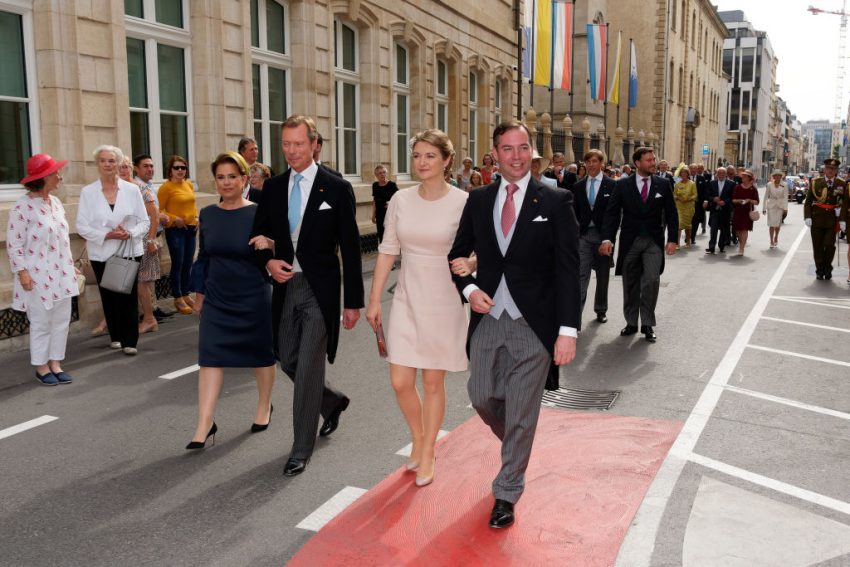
(37, 240)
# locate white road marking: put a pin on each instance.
(21, 427)
(790, 322)
(639, 543)
(788, 402)
(820, 303)
(181, 372)
(777, 485)
(800, 355)
(330, 509)
(405, 451)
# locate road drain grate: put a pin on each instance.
(580, 399)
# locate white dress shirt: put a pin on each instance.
(519, 197)
(309, 175)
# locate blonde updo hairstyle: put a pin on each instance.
(439, 140)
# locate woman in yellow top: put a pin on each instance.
(685, 194)
(177, 201)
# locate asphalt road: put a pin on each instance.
(108, 482)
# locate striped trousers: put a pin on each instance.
(302, 347)
(509, 366)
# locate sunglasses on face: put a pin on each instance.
(178, 167)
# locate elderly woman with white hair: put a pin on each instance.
(111, 213)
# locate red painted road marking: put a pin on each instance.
(588, 475)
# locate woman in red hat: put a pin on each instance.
(39, 248)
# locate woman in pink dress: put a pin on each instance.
(427, 323)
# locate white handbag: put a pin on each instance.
(121, 269)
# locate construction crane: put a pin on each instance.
(842, 45)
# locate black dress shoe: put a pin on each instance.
(819, 276)
(294, 467)
(722, 250)
(628, 330)
(601, 318)
(709, 251)
(332, 421)
(649, 333)
(827, 276)
(502, 515)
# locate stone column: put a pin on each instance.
(569, 154)
(630, 137)
(600, 132)
(531, 124)
(652, 140)
(618, 147)
(546, 124)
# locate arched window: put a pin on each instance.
(347, 95)
(401, 107)
(442, 96)
(694, 30)
(270, 71)
(672, 78)
(673, 16)
(681, 85)
(473, 115)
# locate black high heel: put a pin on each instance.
(256, 427)
(202, 444)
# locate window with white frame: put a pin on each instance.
(497, 99)
(473, 117)
(346, 103)
(442, 96)
(401, 100)
(158, 69)
(18, 110)
(270, 77)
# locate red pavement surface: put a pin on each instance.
(587, 477)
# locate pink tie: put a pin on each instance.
(509, 210)
(644, 193)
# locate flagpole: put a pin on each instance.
(629, 105)
(533, 54)
(572, 56)
(552, 61)
(519, 37)
(605, 94)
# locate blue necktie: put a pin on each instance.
(592, 196)
(295, 204)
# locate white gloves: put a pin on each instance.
(808, 222)
(843, 226)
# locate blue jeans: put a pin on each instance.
(181, 247)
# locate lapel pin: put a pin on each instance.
(534, 200)
(321, 190)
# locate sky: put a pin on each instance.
(807, 48)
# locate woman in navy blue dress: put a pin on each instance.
(233, 300)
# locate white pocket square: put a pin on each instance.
(540, 219)
(658, 195)
(324, 206)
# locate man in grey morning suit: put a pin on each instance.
(525, 302)
(309, 214)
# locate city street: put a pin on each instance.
(751, 364)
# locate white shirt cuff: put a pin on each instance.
(606, 242)
(568, 332)
(467, 291)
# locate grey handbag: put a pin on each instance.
(121, 269)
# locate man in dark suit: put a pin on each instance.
(591, 194)
(664, 171)
(640, 206)
(309, 214)
(560, 173)
(524, 299)
(317, 157)
(720, 209)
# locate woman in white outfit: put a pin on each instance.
(110, 213)
(45, 280)
(775, 206)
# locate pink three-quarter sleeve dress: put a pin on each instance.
(427, 322)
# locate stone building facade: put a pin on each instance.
(681, 85)
(192, 77)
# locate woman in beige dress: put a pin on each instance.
(427, 324)
(775, 206)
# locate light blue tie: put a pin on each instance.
(295, 204)
(592, 196)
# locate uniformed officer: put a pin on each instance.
(821, 209)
